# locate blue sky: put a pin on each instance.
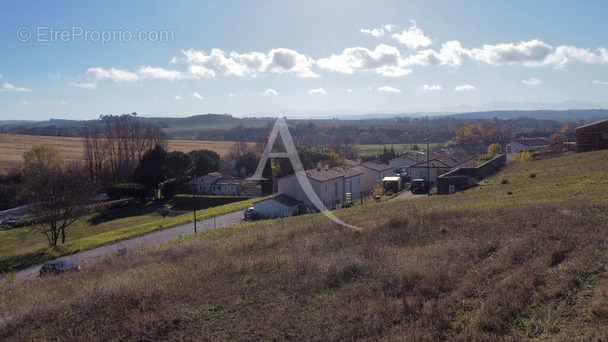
(78, 60)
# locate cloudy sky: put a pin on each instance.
(75, 60)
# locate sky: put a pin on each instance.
(79, 60)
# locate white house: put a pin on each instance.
(528, 144)
(202, 185)
(278, 206)
(332, 186)
(373, 174)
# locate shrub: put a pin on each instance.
(125, 190)
(504, 181)
(533, 175)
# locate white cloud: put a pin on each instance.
(384, 60)
(452, 54)
(349, 90)
(427, 87)
(566, 54)
(530, 53)
(197, 96)
(413, 37)
(276, 61)
(65, 102)
(389, 89)
(83, 85)
(598, 82)
(465, 87)
(270, 92)
(178, 97)
(319, 90)
(11, 88)
(159, 73)
(532, 81)
(377, 32)
(113, 74)
(24, 102)
(54, 76)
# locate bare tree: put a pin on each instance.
(61, 196)
(112, 154)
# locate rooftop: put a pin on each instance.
(376, 166)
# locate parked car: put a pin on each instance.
(249, 212)
(57, 267)
(419, 185)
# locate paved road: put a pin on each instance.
(97, 254)
(407, 194)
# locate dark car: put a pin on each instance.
(249, 213)
(58, 267)
(419, 185)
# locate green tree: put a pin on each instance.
(178, 165)
(525, 156)
(152, 170)
(494, 149)
(205, 161)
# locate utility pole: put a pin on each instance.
(428, 160)
(194, 202)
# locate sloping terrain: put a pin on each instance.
(522, 257)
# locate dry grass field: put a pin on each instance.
(521, 258)
(12, 147)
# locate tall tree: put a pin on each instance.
(205, 161)
(60, 195)
(117, 147)
(40, 159)
(152, 170)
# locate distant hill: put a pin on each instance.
(577, 115)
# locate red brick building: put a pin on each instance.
(593, 136)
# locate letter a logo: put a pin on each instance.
(280, 127)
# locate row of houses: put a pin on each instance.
(346, 184)
(215, 184)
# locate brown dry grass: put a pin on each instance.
(12, 147)
(437, 268)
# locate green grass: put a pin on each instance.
(20, 247)
(480, 265)
(367, 149)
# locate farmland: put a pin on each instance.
(12, 147)
(521, 257)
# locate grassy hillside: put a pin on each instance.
(187, 128)
(521, 258)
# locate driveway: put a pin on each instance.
(406, 195)
(95, 255)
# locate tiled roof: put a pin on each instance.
(323, 175)
(592, 124)
(454, 157)
(348, 172)
(434, 163)
(376, 166)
